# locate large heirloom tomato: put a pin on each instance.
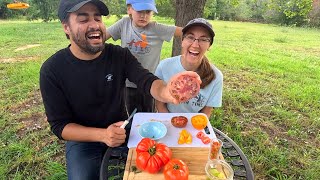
(176, 169)
(184, 86)
(152, 156)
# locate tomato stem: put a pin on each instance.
(152, 150)
(176, 167)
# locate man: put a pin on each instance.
(82, 87)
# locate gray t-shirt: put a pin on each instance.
(144, 43)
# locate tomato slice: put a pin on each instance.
(206, 140)
(200, 135)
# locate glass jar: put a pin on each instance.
(218, 170)
(215, 149)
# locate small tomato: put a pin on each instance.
(185, 137)
(200, 135)
(206, 140)
(176, 169)
(179, 121)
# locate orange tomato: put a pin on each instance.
(199, 122)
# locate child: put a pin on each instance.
(144, 39)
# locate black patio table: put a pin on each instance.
(114, 160)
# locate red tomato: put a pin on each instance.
(176, 169)
(179, 121)
(200, 135)
(152, 156)
(184, 86)
(206, 140)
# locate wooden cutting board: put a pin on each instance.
(194, 157)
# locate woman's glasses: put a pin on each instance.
(202, 40)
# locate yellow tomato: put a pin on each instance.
(185, 137)
(199, 121)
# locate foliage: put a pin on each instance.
(210, 9)
(6, 13)
(46, 10)
(117, 7)
(292, 12)
(166, 8)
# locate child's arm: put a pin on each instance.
(161, 107)
(108, 35)
(207, 110)
(178, 32)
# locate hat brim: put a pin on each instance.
(100, 5)
(144, 7)
(186, 28)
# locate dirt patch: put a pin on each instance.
(20, 59)
(27, 47)
(33, 100)
(33, 123)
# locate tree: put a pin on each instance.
(43, 9)
(314, 15)
(185, 11)
(292, 12)
(6, 13)
(116, 7)
(166, 8)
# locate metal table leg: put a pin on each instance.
(235, 157)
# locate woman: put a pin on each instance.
(198, 37)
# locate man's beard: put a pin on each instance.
(85, 45)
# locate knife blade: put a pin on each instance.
(129, 118)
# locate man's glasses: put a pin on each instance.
(202, 40)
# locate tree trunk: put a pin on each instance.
(185, 11)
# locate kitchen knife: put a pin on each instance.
(206, 129)
(129, 118)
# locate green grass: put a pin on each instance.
(271, 104)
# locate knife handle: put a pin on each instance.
(124, 124)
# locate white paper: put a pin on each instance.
(171, 138)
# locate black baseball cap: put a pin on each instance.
(200, 22)
(68, 6)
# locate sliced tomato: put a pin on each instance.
(206, 140)
(200, 135)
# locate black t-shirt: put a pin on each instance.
(90, 93)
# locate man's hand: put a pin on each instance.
(114, 135)
(160, 90)
(184, 86)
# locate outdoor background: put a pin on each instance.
(271, 97)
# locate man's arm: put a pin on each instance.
(113, 136)
(160, 91)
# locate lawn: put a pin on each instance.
(271, 97)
